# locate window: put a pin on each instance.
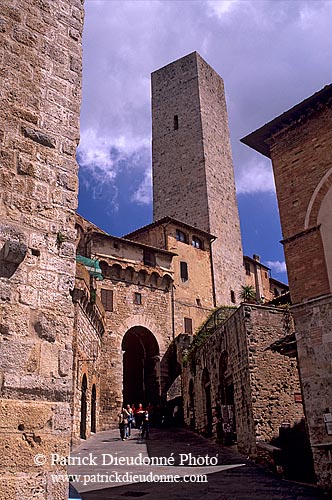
(198, 302)
(247, 266)
(149, 258)
(188, 326)
(265, 274)
(196, 242)
(184, 271)
(180, 236)
(233, 296)
(137, 298)
(107, 299)
(176, 122)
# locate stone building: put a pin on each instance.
(40, 47)
(258, 277)
(88, 320)
(234, 384)
(299, 143)
(193, 177)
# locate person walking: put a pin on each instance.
(145, 425)
(131, 421)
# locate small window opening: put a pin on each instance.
(181, 236)
(247, 266)
(184, 271)
(35, 252)
(198, 302)
(188, 326)
(233, 296)
(107, 299)
(176, 122)
(196, 242)
(149, 258)
(116, 246)
(138, 298)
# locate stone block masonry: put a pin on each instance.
(40, 55)
(193, 178)
(235, 367)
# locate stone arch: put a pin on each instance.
(129, 274)
(154, 280)
(141, 359)
(116, 271)
(324, 219)
(94, 409)
(316, 200)
(105, 268)
(142, 277)
(166, 282)
(207, 402)
(84, 406)
(191, 398)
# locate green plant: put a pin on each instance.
(247, 293)
(60, 238)
(93, 295)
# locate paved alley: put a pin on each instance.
(194, 467)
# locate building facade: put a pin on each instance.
(299, 143)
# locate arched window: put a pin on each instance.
(181, 236)
(196, 242)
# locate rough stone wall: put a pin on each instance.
(264, 382)
(88, 332)
(193, 298)
(40, 54)
(314, 344)
(193, 178)
(154, 313)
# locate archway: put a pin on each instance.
(192, 419)
(93, 408)
(140, 367)
(83, 407)
(207, 400)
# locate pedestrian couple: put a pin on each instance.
(126, 421)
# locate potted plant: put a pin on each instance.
(248, 294)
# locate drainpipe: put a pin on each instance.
(212, 274)
(173, 311)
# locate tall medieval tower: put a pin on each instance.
(193, 177)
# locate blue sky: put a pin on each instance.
(271, 55)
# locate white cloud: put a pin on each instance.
(255, 177)
(143, 195)
(277, 266)
(221, 7)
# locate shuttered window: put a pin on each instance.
(188, 325)
(107, 299)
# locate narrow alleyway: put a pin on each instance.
(104, 464)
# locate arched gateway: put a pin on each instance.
(140, 367)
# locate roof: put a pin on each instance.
(167, 220)
(257, 139)
(279, 283)
(254, 261)
(132, 243)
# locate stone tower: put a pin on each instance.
(40, 45)
(193, 177)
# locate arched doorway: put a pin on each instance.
(93, 408)
(83, 407)
(192, 420)
(207, 401)
(140, 367)
(226, 431)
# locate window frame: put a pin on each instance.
(184, 274)
(106, 297)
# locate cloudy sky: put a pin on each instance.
(271, 55)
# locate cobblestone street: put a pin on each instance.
(232, 478)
